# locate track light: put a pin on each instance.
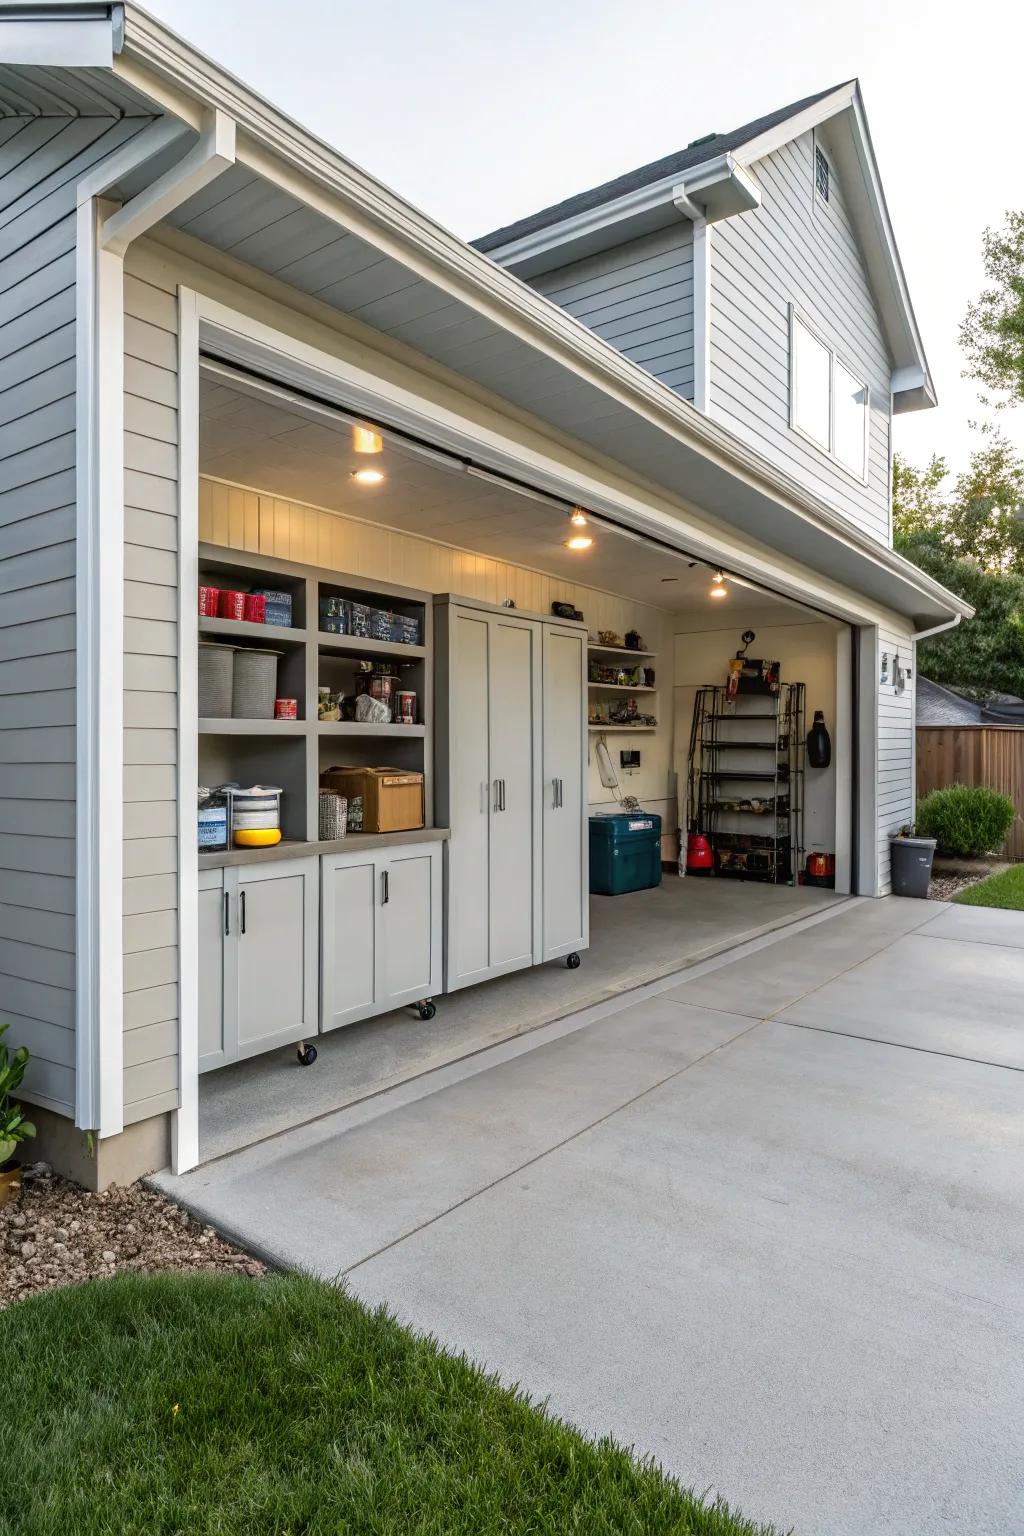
(365, 440)
(578, 538)
(367, 476)
(718, 586)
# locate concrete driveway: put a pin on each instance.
(764, 1222)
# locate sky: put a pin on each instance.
(479, 114)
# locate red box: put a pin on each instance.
(286, 709)
(231, 605)
(255, 608)
(208, 600)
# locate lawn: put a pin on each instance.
(1003, 890)
(219, 1405)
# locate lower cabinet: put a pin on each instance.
(380, 921)
(258, 944)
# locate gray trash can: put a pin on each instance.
(911, 865)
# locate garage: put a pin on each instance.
(456, 691)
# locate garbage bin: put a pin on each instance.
(625, 852)
(911, 865)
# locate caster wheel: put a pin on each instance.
(306, 1055)
(426, 1010)
(573, 961)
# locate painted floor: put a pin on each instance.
(764, 1221)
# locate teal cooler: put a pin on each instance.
(625, 852)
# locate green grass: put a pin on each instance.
(1003, 890)
(206, 1406)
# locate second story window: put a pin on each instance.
(828, 403)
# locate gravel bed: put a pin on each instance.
(58, 1234)
(945, 887)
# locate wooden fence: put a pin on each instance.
(992, 755)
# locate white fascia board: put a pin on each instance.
(792, 127)
(61, 36)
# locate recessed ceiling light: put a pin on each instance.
(578, 517)
(578, 537)
(718, 586)
(365, 440)
(579, 541)
(368, 476)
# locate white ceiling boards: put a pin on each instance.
(255, 436)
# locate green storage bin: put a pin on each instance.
(625, 852)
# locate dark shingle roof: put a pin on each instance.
(935, 705)
(670, 165)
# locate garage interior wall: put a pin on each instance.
(241, 518)
(806, 649)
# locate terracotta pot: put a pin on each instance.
(10, 1182)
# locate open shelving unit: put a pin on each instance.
(740, 782)
(626, 658)
(292, 753)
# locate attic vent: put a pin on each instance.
(705, 140)
(821, 174)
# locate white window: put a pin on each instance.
(828, 403)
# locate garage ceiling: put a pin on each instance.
(299, 453)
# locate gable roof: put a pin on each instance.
(697, 152)
(711, 179)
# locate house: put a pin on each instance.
(938, 705)
(235, 364)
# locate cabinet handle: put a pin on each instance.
(503, 794)
(497, 794)
(227, 913)
(241, 909)
(385, 894)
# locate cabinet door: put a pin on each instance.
(565, 882)
(277, 954)
(513, 706)
(408, 925)
(469, 800)
(214, 936)
(348, 897)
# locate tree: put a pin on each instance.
(992, 333)
(983, 655)
(981, 516)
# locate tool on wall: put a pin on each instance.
(610, 779)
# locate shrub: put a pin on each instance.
(966, 819)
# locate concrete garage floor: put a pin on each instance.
(634, 939)
(765, 1223)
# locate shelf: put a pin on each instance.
(211, 727)
(363, 728)
(354, 645)
(618, 650)
(621, 688)
(757, 775)
(242, 629)
(730, 810)
(772, 714)
(624, 730)
(746, 746)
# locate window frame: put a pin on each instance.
(797, 317)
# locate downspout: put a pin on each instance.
(938, 629)
(103, 235)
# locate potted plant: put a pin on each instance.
(14, 1128)
(911, 862)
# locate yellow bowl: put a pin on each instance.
(261, 837)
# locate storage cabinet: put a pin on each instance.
(380, 945)
(511, 759)
(257, 958)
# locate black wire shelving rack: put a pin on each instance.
(746, 780)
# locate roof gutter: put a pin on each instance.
(940, 629)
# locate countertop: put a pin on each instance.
(354, 842)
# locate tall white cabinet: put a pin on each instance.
(510, 730)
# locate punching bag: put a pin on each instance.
(819, 743)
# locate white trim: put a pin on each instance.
(843, 737)
(797, 317)
(800, 123)
(185, 1120)
(214, 153)
(55, 41)
(702, 315)
(99, 626)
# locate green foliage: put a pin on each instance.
(966, 819)
(230, 1407)
(978, 517)
(1003, 890)
(992, 334)
(984, 655)
(14, 1128)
